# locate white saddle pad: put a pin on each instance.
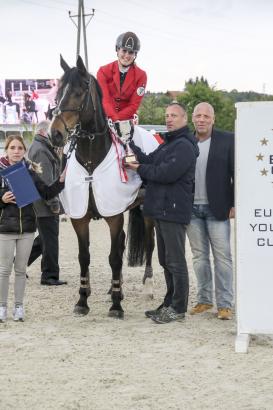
(112, 196)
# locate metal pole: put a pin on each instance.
(84, 36)
(81, 22)
(79, 28)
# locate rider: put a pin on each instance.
(122, 82)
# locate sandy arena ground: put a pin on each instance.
(57, 361)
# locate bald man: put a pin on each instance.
(213, 207)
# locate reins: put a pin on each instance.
(77, 132)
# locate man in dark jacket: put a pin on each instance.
(213, 206)
(169, 174)
(47, 242)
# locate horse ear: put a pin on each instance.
(64, 65)
(80, 65)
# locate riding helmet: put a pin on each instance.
(129, 41)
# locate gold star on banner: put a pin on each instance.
(264, 172)
(264, 141)
(260, 157)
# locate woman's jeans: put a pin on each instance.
(205, 232)
(14, 248)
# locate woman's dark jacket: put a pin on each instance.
(22, 220)
(169, 172)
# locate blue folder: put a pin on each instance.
(21, 184)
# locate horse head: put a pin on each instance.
(78, 104)
(79, 115)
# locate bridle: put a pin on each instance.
(73, 134)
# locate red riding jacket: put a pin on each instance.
(121, 104)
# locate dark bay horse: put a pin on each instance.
(80, 119)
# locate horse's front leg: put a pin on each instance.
(81, 227)
(115, 260)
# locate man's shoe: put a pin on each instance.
(200, 308)
(168, 315)
(150, 313)
(3, 314)
(18, 313)
(224, 314)
(53, 282)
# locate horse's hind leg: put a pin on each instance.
(149, 248)
(115, 260)
(81, 227)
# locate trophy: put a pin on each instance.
(125, 130)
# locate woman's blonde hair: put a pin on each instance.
(11, 138)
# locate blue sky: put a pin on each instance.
(229, 42)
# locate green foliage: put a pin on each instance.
(28, 132)
(199, 91)
(243, 96)
(152, 109)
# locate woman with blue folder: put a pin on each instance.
(18, 225)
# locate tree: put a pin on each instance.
(197, 91)
(238, 96)
(152, 109)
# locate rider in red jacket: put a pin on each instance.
(122, 82)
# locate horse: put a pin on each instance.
(79, 117)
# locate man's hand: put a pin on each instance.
(63, 174)
(132, 165)
(232, 213)
(55, 208)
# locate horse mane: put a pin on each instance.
(69, 77)
(99, 91)
(74, 78)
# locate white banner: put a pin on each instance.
(254, 220)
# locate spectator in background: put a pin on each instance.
(212, 210)
(51, 98)
(1, 93)
(30, 107)
(2, 112)
(34, 94)
(47, 242)
(25, 117)
(11, 110)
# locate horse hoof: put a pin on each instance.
(108, 298)
(148, 288)
(81, 310)
(116, 314)
(148, 297)
(148, 274)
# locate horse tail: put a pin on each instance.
(136, 238)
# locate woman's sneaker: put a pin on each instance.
(3, 314)
(18, 313)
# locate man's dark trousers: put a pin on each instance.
(171, 254)
(47, 245)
